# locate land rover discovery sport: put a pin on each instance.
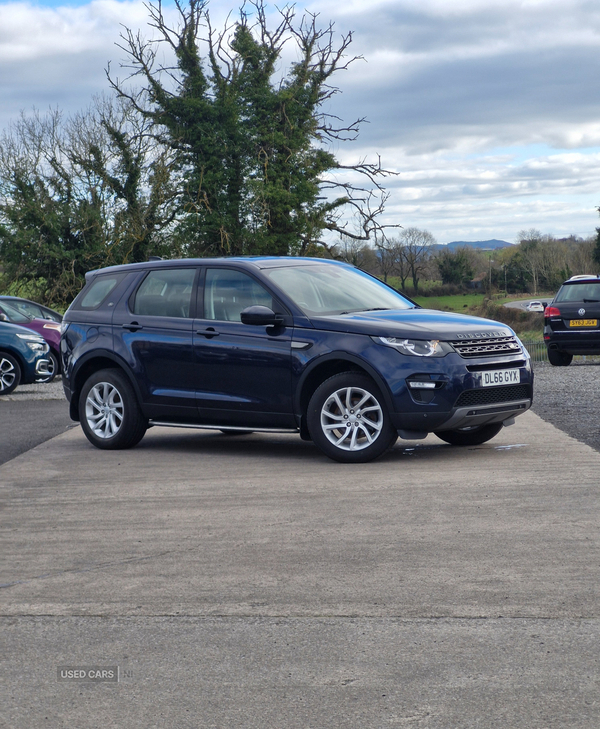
(299, 345)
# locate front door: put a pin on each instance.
(244, 371)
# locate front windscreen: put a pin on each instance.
(326, 290)
(14, 316)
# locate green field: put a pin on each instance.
(450, 303)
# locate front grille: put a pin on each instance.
(493, 395)
(486, 347)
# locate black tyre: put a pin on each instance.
(53, 368)
(109, 412)
(470, 436)
(10, 373)
(348, 420)
(559, 359)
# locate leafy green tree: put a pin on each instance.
(251, 142)
(77, 195)
(454, 266)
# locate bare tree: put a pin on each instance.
(356, 252)
(415, 250)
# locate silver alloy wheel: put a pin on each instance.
(8, 374)
(104, 410)
(351, 418)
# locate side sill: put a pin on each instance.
(194, 426)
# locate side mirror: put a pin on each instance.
(261, 316)
(544, 304)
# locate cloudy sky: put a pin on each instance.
(488, 110)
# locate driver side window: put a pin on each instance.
(227, 293)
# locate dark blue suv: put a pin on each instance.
(283, 344)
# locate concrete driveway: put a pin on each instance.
(249, 582)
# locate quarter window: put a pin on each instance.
(167, 292)
(99, 290)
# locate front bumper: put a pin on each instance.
(459, 400)
(41, 368)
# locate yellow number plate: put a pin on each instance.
(584, 322)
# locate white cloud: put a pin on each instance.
(488, 109)
(30, 32)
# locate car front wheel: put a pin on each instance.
(109, 412)
(10, 373)
(348, 421)
(470, 436)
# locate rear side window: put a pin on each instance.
(99, 291)
(167, 292)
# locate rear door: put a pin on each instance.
(154, 329)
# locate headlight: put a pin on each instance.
(417, 347)
(33, 341)
(52, 325)
(31, 337)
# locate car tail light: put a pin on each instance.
(551, 311)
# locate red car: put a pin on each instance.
(49, 330)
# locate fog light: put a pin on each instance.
(421, 385)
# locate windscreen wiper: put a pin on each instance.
(375, 308)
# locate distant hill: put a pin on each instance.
(482, 245)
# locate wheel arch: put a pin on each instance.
(87, 366)
(333, 364)
(16, 355)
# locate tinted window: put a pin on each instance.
(227, 293)
(98, 291)
(167, 292)
(579, 292)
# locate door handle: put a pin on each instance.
(208, 333)
(133, 327)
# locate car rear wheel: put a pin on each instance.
(10, 373)
(559, 359)
(475, 435)
(109, 411)
(348, 421)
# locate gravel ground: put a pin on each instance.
(569, 398)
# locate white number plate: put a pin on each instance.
(499, 377)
